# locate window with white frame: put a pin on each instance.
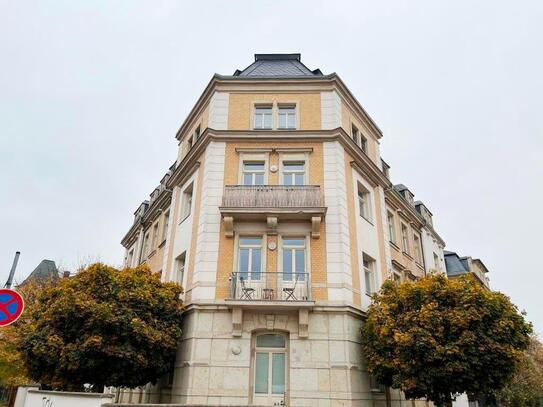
(195, 135)
(363, 144)
(397, 275)
(155, 236)
(180, 267)
(263, 119)
(253, 172)
(165, 221)
(270, 366)
(146, 245)
(287, 117)
(364, 202)
(294, 258)
(186, 202)
(391, 227)
(355, 134)
(129, 258)
(405, 238)
(293, 173)
(250, 260)
(436, 262)
(369, 273)
(417, 248)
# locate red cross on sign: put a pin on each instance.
(11, 306)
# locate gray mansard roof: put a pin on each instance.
(277, 65)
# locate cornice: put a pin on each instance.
(150, 216)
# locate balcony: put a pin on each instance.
(258, 286)
(259, 291)
(272, 203)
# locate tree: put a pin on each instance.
(525, 389)
(104, 327)
(12, 367)
(434, 338)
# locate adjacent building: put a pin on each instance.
(461, 265)
(280, 221)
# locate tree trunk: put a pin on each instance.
(387, 397)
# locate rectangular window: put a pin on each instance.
(146, 245)
(196, 135)
(436, 262)
(397, 276)
(165, 225)
(180, 268)
(369, 274)
(364, 202)
(391, 227)
(294, 173)
(293, 250)
(417, 248)
(355, 134)
(263, 117)
(376, 386)
(250, 258)
(129, 258)
(405, 239)
(186, 202)
(261, 372)
(155, 236)
(363, 144)
(287, 117)
(253, 173)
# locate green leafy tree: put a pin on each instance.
(12, 367)
(434, 338)
(525, 389)
(105, 327)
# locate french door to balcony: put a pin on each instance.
(250, 258)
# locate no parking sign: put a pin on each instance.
(11, 306)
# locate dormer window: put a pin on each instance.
(263, 117)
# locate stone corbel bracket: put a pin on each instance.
(316, 227)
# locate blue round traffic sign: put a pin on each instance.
(11, 306)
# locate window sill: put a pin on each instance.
(394, 245)
(367, 220)
(184, 219)
(151, 254)
(262, 128)
(162, 243)
(408, 255)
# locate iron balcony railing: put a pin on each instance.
(264, 286)
(272, 196)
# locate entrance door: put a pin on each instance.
(270, 364)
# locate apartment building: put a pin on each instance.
(458, 266)
(280, 221)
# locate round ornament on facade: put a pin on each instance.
(272, 245)
(273, 168)
(236, 350)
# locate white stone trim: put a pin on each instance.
(338, 250)
(218, 111)
(330, 110)
(204, 275)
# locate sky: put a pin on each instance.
(93, 92)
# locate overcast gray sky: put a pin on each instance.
(92, 93)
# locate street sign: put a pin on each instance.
(11, 306)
